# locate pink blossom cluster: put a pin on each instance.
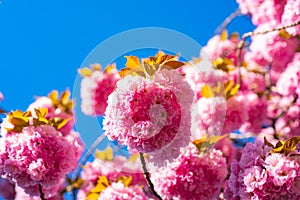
(291, 15)
(263, 11)
(20, 194)
(117, 191)
(95, 89)
(113, 169)
(193, 176)
(289, 81)
(260, 175)
(218, 47)
(273, 49)
(151, 115)
(208, 116)
(288, 124)
(38, 156)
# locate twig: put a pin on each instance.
(282, 113)
(42, 195)
(146, 174)
(241, 44)
(227, 21)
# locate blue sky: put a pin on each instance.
(43, 43)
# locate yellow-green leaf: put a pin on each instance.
(284, 34)
(133, 157)
(102, 184)
(207, 91)
(92, 196)
(286, 147)
(110, 68)
(107, 154)
(62, 122)
(96, 67)
(39, 121)
(53, 95)
(206, 141)
(231, 89)
(224, 35)
(223, 64)
(41, 112)
(125, 180)
(133, 62)
(85, 72)
(65, 96)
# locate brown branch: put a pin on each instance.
(42, 195)
(227, 21)
(147, 176)
(281, 114)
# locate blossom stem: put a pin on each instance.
(42, 195)
(147, 176)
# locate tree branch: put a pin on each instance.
(42, 195)
(147, 176)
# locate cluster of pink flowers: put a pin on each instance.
(96, 86)
(260, 175)
(120, 192)
(263, 11)
(272, 49)
(289, 81)
(193, 176)
(38, 156)
(291, 15)
(151, 115)
(37, 151)
(118, 166)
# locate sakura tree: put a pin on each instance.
(224, 125)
